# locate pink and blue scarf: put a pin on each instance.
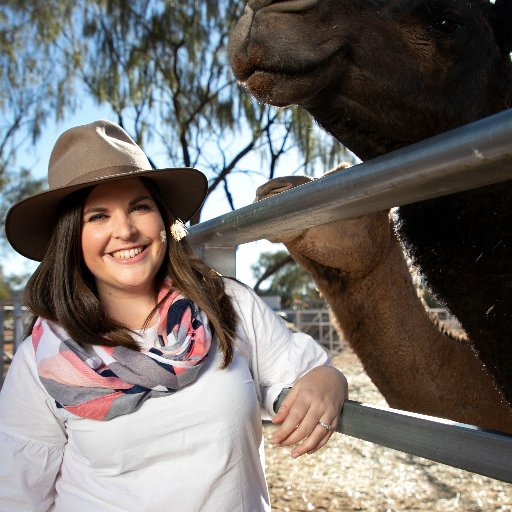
(105, 382)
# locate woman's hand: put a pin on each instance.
(317, 396)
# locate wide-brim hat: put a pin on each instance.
(88, 155)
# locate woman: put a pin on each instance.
(141, 383)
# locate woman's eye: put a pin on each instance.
(96, 217)
(445, 25)
(141, 207)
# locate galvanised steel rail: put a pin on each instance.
(472, 156)
(474, 449)
(481, 451)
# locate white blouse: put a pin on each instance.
(200, 449)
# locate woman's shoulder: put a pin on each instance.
(23, 367)
(233, 285)
(24, 363)
(239, 291)
(25, 350)
(248, 304)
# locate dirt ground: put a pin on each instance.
(350, 474)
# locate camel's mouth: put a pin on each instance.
(274, 88)
(246, 62)
(282, 70)
(286, 84)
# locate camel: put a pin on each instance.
(380, 75)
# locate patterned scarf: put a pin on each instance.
(114, 381)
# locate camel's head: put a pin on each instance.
(378, 74)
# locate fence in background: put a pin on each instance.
(316, 323)
(12, 318)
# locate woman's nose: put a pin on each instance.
(124, 228)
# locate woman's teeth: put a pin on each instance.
(127, 254)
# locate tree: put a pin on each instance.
(287, 279)
(10, 285)
(162, 68)
(31, 88)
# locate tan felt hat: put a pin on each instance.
(87, 155)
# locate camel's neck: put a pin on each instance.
(397, 341)
(463, 245)
(358, 129)
(358, 316)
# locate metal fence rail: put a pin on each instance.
(468, 157)
(459, 445)
(463, 446)
(472, 156)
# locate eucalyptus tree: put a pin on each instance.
(162, 66)
(31, 89)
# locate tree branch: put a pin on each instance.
(272, 269)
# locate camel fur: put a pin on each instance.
(380, 75)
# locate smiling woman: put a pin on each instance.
(122, 247)
(125, 313)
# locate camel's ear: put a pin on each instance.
(503, 24)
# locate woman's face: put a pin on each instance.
(122, 238)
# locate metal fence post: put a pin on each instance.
(2, 341)
(222, 259)
(18, 322)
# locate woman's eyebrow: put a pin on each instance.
(92, 209)
(95, 209)
(140, 198)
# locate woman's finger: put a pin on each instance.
(304, 428)
(286, 404)
(313, 442)
(311, 447)
(294, 418)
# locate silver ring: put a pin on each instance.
(325, 425)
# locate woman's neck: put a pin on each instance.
(130, 310)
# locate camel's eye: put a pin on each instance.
(445, 25)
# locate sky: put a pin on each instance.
(242, 186)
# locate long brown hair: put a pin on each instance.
(63, 290)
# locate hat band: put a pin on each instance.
(105, 173)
